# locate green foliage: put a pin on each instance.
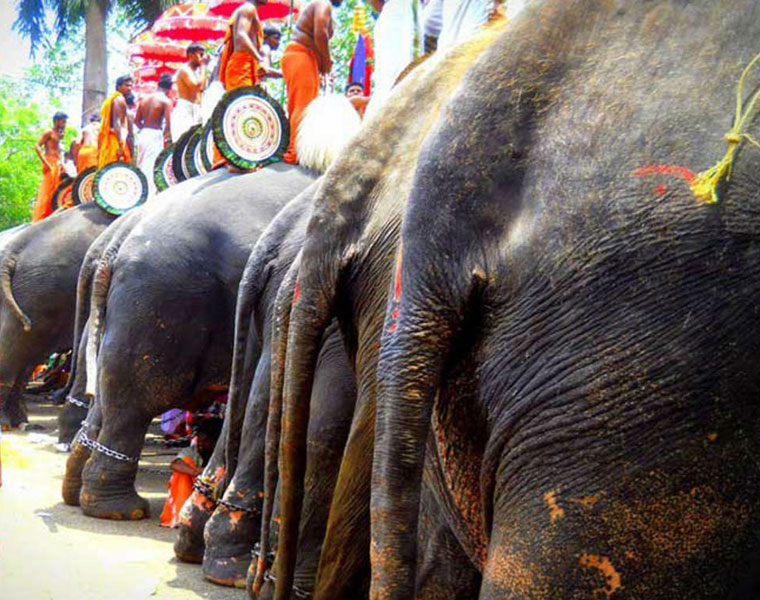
(21, 124)
(31, 22)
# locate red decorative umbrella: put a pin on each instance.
(274, 9)
(151, 72)
(148, 47)
(189, 22)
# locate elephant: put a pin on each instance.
(573, 320)
(161, 321)
(38, 274)
(347, 268)
(235, 524)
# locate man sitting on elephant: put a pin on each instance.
(114, 125)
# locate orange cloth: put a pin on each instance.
(87, 157)
(300, 70)
(180, 489)
(108, 143)
(50, 180)
(236, 69)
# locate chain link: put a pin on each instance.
(297, 591)
(232, 507)
(205, 488)
(77, 402)
(95, 445)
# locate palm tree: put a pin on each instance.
(30, 23)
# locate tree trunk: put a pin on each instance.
(95, 58)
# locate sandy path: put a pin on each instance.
(52, 551)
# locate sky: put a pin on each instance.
(14, 50)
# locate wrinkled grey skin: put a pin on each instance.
(346, 272)
(230, 534)
(162, 318)
(106, 244)
(105, 248)
(586, 356)
(38, 276)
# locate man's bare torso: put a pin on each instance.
(152, 110)
(247, 13)
(304, 30)
(52, 144)
(183, 89)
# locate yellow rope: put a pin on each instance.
(705, 184)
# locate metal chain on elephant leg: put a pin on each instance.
(76, 402)
(206, 488)
(269, 576)
(96, 445)
(232, 507)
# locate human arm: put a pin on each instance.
(245, 28)
(322, 35)
(118, 116)
(181, 466)
(167, 121)
(140, 115)
(186, 80)
(41, 143)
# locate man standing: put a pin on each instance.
(241, 55)
(306, 57)
(191, 81)
(271, 43)
(114, 125)
(48, 149)
(87, 155)
(153, 119)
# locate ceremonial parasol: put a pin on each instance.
(149, 47)
(189, 22)
(152, 72)
(274, 9)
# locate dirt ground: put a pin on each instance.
(52, 551)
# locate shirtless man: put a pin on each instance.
(241, 59)
(153, 119)
(306, 57)
(48, 149)
(191, 81)
(114, 125)
(271, 43)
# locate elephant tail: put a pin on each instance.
(245, 355)
(280, 327)
(108, 242)
(7, 270)
(101, 283)
(293, 369)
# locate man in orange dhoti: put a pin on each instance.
(114, 126)
(48, 149)
(306, 56)
(241, 56)
(87, 156)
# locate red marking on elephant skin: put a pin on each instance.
(297, 293)
(397, 276)
(677, 170)
(397, 289)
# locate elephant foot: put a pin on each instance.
(13, 414)
(229, 536)
(108, 490)
(195, 513)
(230, 571)
(72, 481)
(130, 507)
